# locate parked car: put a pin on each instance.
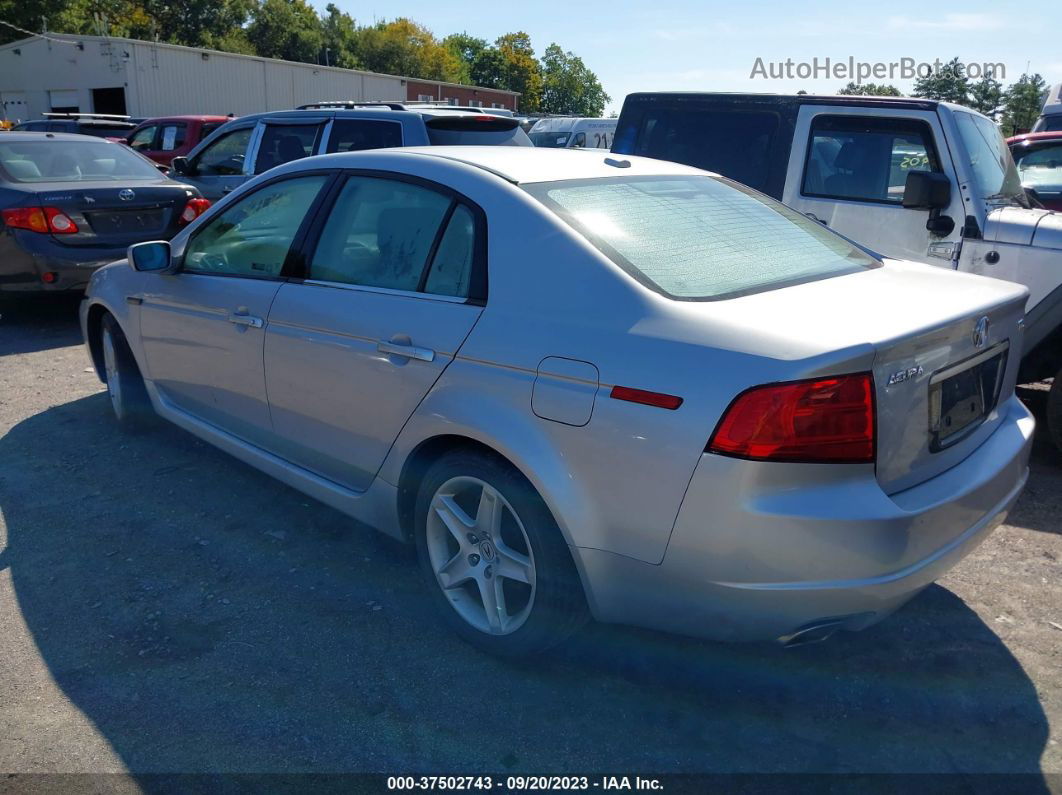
(573, 133)
(101, 125)
(1051, 117)
(71, 203)
(254, 144)
(914, 179)
(168, 137)
(582, 384)
(1038, 157)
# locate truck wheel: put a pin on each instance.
(1054, 411)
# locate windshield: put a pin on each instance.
(553, 140)
(1040, 166)
(993, 167)
(700, 237)
(71, 161)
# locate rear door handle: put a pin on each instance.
(406, 351)
(246, 320)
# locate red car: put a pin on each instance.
(1039, 160)
(167, 137)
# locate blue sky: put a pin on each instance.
(687, 45)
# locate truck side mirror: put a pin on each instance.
(180, 165)
(926, 190)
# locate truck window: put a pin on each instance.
(735, 144)
(866, 159)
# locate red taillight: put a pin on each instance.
(192, 210)
(658, 399)
(824, 420)
(40, 219)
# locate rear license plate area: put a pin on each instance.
(963, 395)
(120, 221)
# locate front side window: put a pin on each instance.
(700, 237)
(993, 167)
(866, 159)
(225, 156)
(384, 233)
(143, 138)
(253, 236)
(283, 143)
(71, 161)
(351, 135)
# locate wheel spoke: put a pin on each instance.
(456, 520)
(493, 596)
(513, 565)
(456, 570)
(489, 513)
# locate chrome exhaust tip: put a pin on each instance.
(812, 633)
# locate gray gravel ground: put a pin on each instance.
(165, 608)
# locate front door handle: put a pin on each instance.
(406, 351)
(246, 320)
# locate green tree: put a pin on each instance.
(467, 48)
(403, 47)
(287, 29)
(522, 71)
(1022, 103)
(340, 38)
(870, 90)
(986, 95)
(568, 86)
(949, 83)
(490, 69)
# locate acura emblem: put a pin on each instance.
(980, 333)
(126, 194)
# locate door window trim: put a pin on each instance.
(927, 133)
(294, 248)
(478, 278)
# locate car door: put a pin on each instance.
(848, 170)
(202, 327)
(222, 165)
(396, 280)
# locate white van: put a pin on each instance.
(566, 132)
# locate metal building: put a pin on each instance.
(95, 74)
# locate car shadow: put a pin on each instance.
(207, 619)
(38, 323)
(1040, 505)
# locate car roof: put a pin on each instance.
(30, 135)
(1029, 138)
(521, 164)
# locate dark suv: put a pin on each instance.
(250, 145)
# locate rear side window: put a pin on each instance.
(396, 235)
(472, 129)
(172, 137)
(700, 237)
(351, 135)
(866, 159)
(283, 143)
(736, 144)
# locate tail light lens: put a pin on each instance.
(192, 210)
(39, 219)
(823, 420)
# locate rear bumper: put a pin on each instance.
(23, 264)
(756, 554)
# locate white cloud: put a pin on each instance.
(949, 23)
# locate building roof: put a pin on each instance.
(337, 69)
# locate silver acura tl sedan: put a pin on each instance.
(584, 385)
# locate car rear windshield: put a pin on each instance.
(71, 161)
(700, 238)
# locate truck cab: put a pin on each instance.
(910, 179)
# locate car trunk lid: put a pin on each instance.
(117, 215)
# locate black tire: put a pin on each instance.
(1054, 412)
(557, 607)
(125, 386)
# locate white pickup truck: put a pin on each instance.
(911, 179)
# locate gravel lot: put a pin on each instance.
(165, 608)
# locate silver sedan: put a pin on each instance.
(584, 385)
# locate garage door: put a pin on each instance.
(64, 101)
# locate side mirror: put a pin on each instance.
(162, 168)
(180, 165)
(926, 190)
(151, 256)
